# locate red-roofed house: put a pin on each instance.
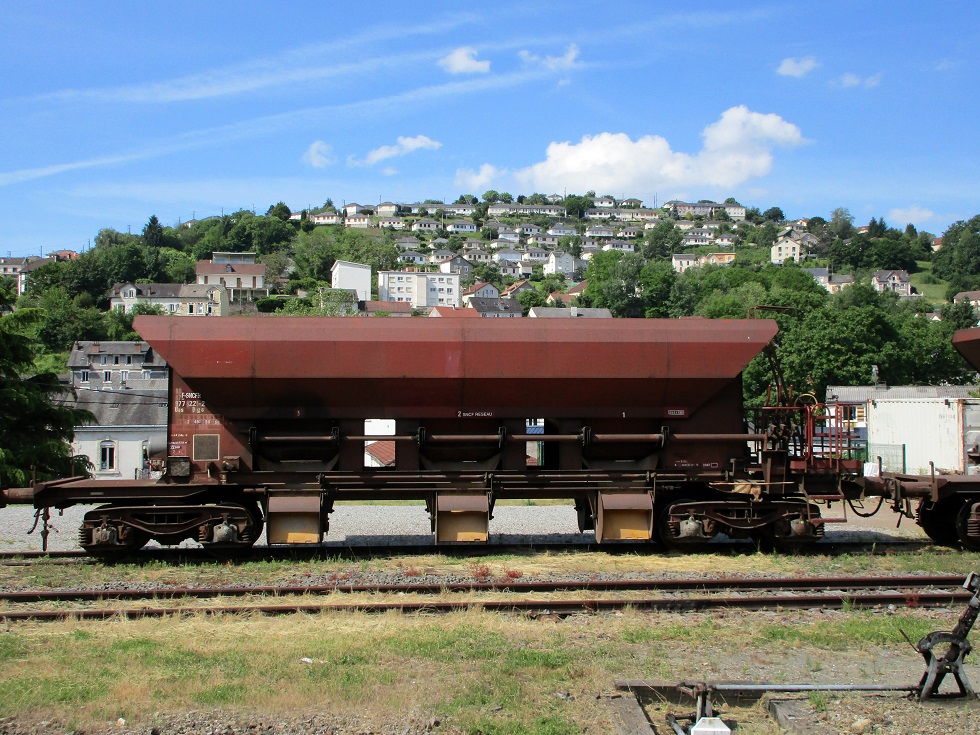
(245, 281)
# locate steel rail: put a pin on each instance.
(795, 584)
(528, 607)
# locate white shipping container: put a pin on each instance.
(938, 430)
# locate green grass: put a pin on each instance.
(934, 292)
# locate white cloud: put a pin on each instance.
(389, 171)
(463, 61)
(797, 67)
(318, 155)
(915, 213)
(853, 80)
(402, 147)
(736, 148)
(551, 63)
(469, 180)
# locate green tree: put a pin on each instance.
(531, 299)
(773, 214)
(491, 196)
(280, 211)
(36, 423)
(153, 233)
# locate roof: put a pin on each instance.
(383, 451)
(550, 312)
(142, 407)
(148, 290)
(504, 305)
(865, 393)
(83, 349)
(197, 290)
(393, 307)
(902, 276)
(452, 312)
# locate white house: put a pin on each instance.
(460, 226)
(559, 263)
(785, 248)
(129, 429)
(359, 221)
(105, 366)
(352, 276)
(421, 290)
(682, 261)
(481, 291)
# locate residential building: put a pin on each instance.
(441, 256)
(421, 290)
(394, 223)
(562, 229)
(717, 259)
(129, 430)
(360, 221)
(413, 257)
(103, 365)
(893, 280)
(244, 278)
(622, 246)
(534, 255)
(352, 276)
(327, 218)
(682, 261)
(507, 254)
(516, 288)
(476, 256)
(600, 231)
(560, 263)
(480, 291)
(604, 202)
(497, 308)
(173, 298)
(544, 240)
(458, 265)
(425, 225)
(461, 227)
(785, 248)
(387, 209)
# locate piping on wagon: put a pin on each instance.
(639, 422)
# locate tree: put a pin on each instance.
(531, 299)
(36, 423)
(153, 233)
(506, 197)
(280, 211)
(841, 223)
(490, 196)
(576, 206)
(773, 214)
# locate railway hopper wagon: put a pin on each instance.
(637, 423)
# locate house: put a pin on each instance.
(726, 240)
(358, 221)
(387, 209)
(457, 264)
(785, 248)
(973, 297)
(529, 228)
(820, 275)
(238, 272)
(327, 218)
(476, 256)
(460, 210)
(460, 226)
(534, 255)
(508, 234)
(597, 213)
(103, 365)
(497, 308)
(600, 231)
(562, 229)
(717, 259)
(421, 290)
(19, 269)
(838, 282)
(394, 223)
(507, 254)
(560, 263)
(544, 239)
(894, 280)
(354, 208)
(413, 256)
(481, 291)
(697, 237)
(173, 298)
(425, 225)
(682, 261)
(630, 231)
(407, 242)
(498, 208)
(604, 202)
(622, 246)
(129, 429)
(572, 312)
(352, 276)
(441, 256)
(516, 288)
(630, 203)
(517, 270)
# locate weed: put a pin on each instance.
(513, 574)
(481, 572)
(818, 700)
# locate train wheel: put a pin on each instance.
(111, 542)
(677, 530)
(777, 537)
(964, 520)
(939, 520)
(236, 534)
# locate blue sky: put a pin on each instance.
(113, 111)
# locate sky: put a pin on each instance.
(111, 112)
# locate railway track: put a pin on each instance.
(717, 593)
(272, 553)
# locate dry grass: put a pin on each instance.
(480, 671)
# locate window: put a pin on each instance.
(107, 456)
(83, 376)
(106, 376)
(172, 307)
(124, 375)
(129, 359)
(103, 359)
